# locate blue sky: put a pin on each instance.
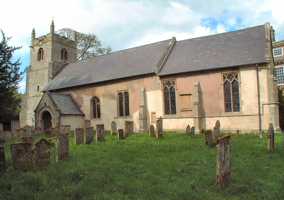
(126, 23)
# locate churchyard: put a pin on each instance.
(154, 165)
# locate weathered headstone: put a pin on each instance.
(100, 132)
(2, 156)
(27, 139)
(271, 138)
(192, 130)
(89, 135)
(42, 153)
(216, 131)
(120, 134)
(152, 130)
(113, 128)
(209, 138)
(188, 130)
(223, 167)
(159, 127)
(22, 156)
(129, 128)
(65, 129)
(79, 135)
(63, 147)
(87, 123)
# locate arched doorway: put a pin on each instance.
(46, 121)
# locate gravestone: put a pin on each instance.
(129, 128)
(152, 130)
(188, 130)
(113, 128)
(100, 132)
(22, 156)
(65, 129)
(27, 139)
(42, 153)
(89, 135)
(209, 138)
(63, 147)
(223, 166)
(120, 134)
(159, 127)
(271, 138)
(2, 156)
(216, 131)
(87, 123)
(192, 130)
(79, 135)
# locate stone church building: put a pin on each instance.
(226, 77)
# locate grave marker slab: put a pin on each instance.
(271, 138)
(100, 132)
(209, 138)
(113, 128)
(216, 131)
(79, 135)
(188, 130)
(120, 134)
(192, 130)
(22, 156)
(129, 128)
(63, 147)
(152, 130)
(223, 167)
(42, 153)
(2, 156)
(89, 135)
(159, 127)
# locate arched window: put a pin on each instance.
(123, 104)
(64, 54)
(40, 54)
(96, 107)
(231, 92)
(169, 97)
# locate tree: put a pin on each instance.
(9, 79)
(88, 45)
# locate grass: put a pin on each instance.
(177, 167)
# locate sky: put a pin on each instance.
(122, 24)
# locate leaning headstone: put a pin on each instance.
(271, 138)
(129, 128)
(209, 138)
(216, 131)
(120, 134)
(159, 127)
(63, 147)
(188, 130)
(2, 156)
(100, 132)
(79, 135)
(223, 167)
(192, 130)
(22, 156)
(42, 153)
(89, 135)
(113, 128)
(152, 130)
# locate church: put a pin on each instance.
(226, 77)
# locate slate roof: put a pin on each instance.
(121, 64)
(232, 49)
(65, 104)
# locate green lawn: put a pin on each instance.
(176, 167)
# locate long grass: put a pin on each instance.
(177, 167)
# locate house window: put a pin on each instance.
(123, 104)
(278, 52)
(40, 54)
(231, 92)
(279, 75)
(185, 102)
(169, 97)
(64, 54)
(96, 107)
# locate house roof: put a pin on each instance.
(121, 64)
(232, 49)
(65, 104)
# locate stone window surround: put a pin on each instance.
(117, 103)
(163, 103)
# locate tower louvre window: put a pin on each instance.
(64, 54)
(40, 54)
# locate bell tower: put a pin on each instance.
(49, 54)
